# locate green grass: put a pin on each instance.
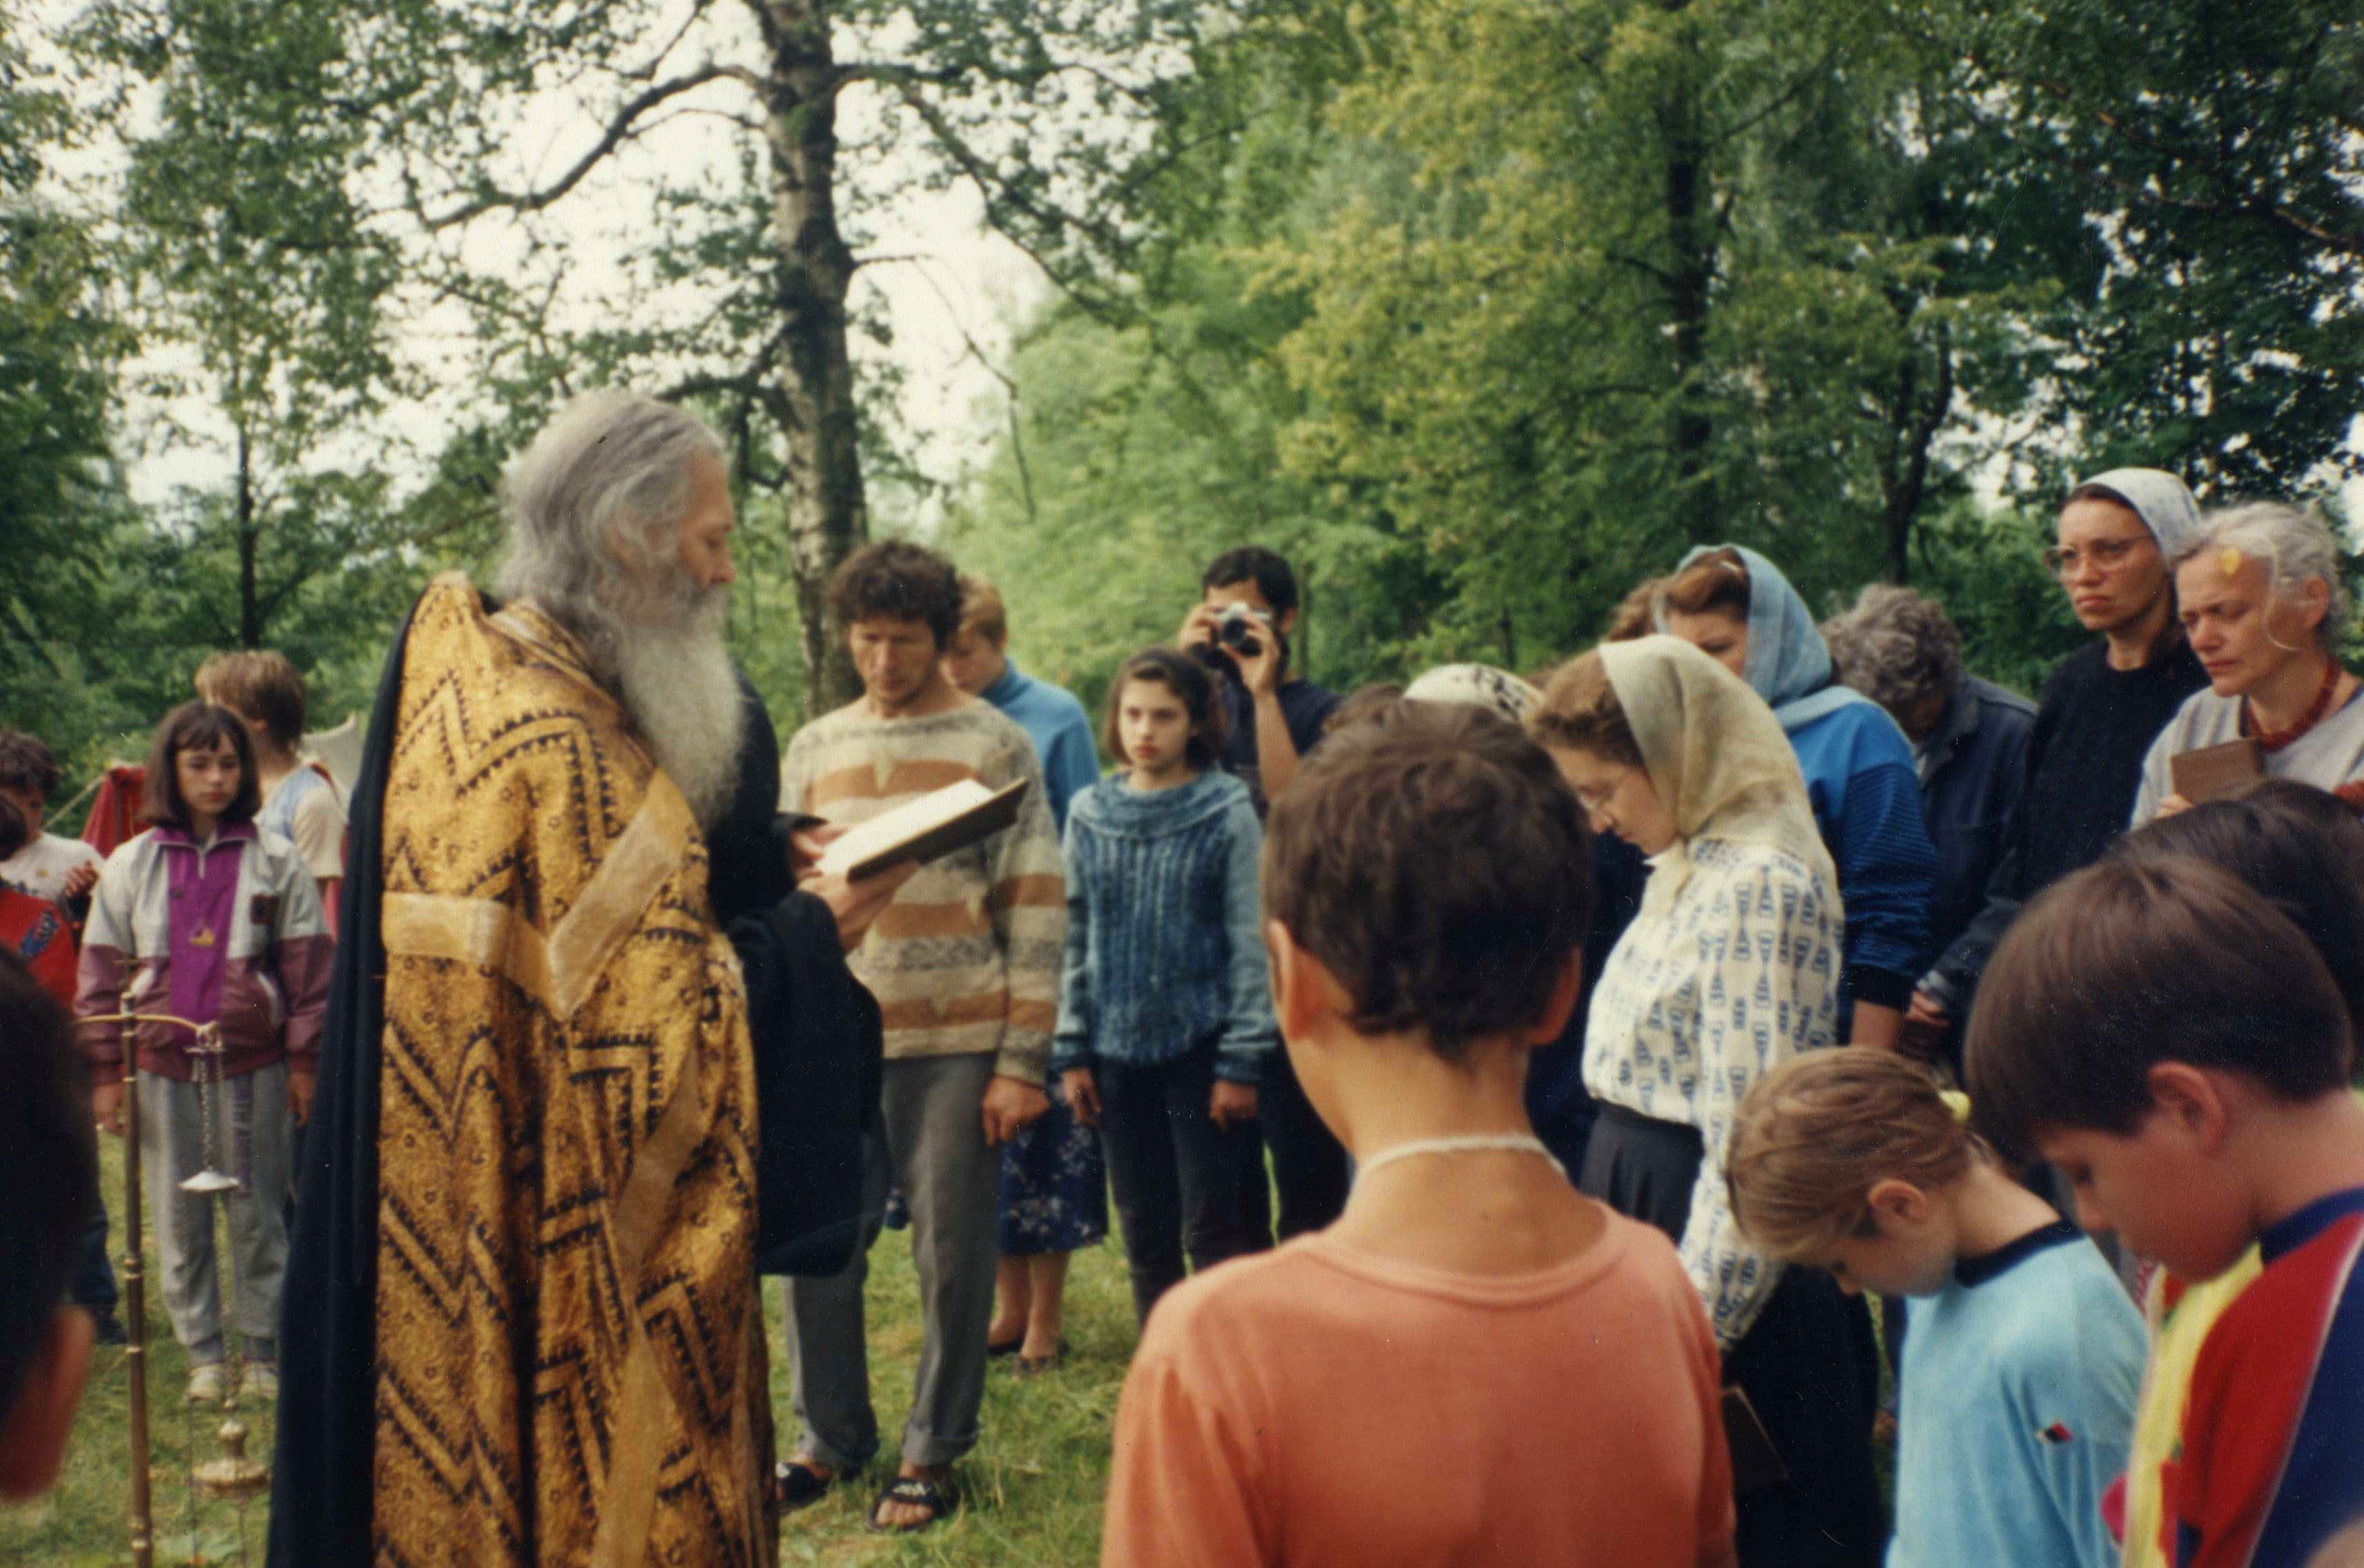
(1032, 1485)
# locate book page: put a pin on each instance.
(905, 822)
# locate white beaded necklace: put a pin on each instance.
(1468, 1143)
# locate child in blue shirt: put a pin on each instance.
(2023, 1357)
(1165, 1003)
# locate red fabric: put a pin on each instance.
(114, 818)
(36, 932)
(2268, 1471)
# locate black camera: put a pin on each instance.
(1236, 628)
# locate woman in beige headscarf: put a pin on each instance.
(1730, 968)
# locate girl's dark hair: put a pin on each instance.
(14, 830)
(1187, 679)
(2301, 847)
(197, 726)
(26, 764)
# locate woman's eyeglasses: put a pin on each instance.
(2104, 553)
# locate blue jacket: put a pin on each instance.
(1062, 734)
(1972, 772)
(1165, 928)
(1861, 781)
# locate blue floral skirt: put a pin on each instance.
(1053, 1185)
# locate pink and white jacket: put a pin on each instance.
(229, 932)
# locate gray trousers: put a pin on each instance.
(934, 1150)
(249, 1142)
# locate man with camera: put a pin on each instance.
(1240, 628)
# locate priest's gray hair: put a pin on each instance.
(2295, 545)
(1896, 648)
(595, 509)
(610, 466)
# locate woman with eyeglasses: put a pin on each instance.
(2100, 711)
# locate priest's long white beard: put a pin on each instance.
(659, 646)
(683, 696)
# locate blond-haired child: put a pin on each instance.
(2022, 1355)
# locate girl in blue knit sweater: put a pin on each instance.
(1165, 1005)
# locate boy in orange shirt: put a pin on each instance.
(1476, 1362)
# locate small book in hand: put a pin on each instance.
(924, 830)
(2214, 771)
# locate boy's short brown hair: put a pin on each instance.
(2299, 846)
(258, 685)
(27, 765)
(200, 727)
(1432, 860)
(896, 580)
(982, 611)
(2133, 962)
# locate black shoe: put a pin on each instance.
(797, 1483)
(110, 1328)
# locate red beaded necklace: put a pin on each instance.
(2271, 740)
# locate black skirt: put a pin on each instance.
(1809, 1366)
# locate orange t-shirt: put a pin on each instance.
(1320, 1406)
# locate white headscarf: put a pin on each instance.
(1716, 755)
(2161, 500)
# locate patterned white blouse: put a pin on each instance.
(1738, 973)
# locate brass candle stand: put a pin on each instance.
(232, 1476)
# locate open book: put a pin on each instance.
(934, 825)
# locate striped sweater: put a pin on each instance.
(966, 960)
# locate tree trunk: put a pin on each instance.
(1690, 273)
(249, 599)
(828, 516)
(1904, 477)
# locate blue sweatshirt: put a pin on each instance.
(1863, 782)
(2015, 1409)
(1055, 722)
(1165, 938)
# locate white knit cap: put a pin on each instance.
(1478, 685)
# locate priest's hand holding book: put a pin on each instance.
(853, 904)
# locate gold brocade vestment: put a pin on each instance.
(569, 1344)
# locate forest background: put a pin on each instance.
(1481, 310)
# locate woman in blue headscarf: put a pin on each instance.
(1735, 606)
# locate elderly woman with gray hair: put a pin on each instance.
(1969, 739)
(2263, 604)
